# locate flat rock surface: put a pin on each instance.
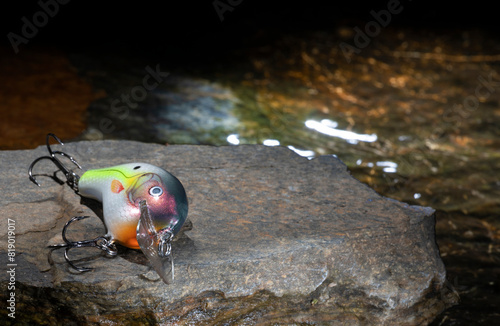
(275, 238)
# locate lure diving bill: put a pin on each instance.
(144, 207)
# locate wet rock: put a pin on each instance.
(275, 238)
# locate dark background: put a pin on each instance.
(195, 27)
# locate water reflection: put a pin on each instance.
(271, 142)
(328, 127)
(389, 167)
(305, 153)
(233, 139)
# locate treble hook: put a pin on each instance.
(103, 243)
(71, 177)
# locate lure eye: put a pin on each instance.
(156, 191)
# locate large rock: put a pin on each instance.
(275, 238)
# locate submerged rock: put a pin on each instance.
(274, 238)
(203, 113)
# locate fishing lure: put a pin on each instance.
(144, 207)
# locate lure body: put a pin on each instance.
(121, 189)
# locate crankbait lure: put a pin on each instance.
(144, 207)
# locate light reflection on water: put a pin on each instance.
(389, 167)
(233, 139)
(328, 127)
(305, 153)
(271, 142)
